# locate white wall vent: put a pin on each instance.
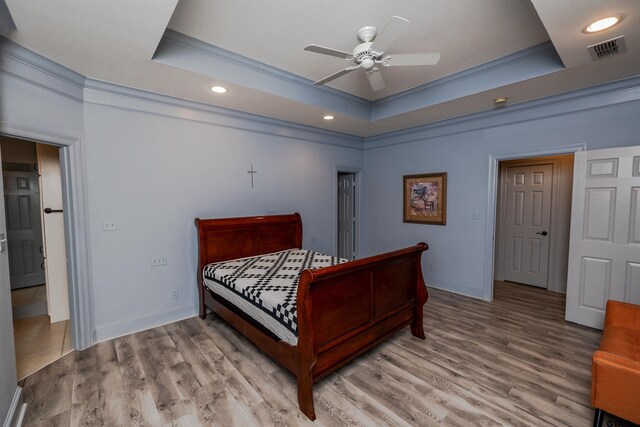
(607, 48)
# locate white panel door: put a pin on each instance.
(53, 232)
(604, 250)
(24, 232)
(346, 213)
(528, 209)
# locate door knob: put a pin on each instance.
(544, 233)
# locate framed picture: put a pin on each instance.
(425, 198)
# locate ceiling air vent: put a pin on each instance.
(607, 48)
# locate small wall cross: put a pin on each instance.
(252, 172)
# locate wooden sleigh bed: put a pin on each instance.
(342, 310)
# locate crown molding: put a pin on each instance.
(187, 53)
(526, 64)
(125, 98)
(479, 69)
(30, 67)
(591, 98)
(254, 65)
(25, 65)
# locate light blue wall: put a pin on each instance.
(32, 100)
(605, 117)
(153, 174)
(154, 163)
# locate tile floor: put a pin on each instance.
(29, 302)
(38, 342)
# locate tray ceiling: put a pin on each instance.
(520, 49)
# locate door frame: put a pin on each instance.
(75, 205)
(357, 196)
(501, 212)
(492, 199)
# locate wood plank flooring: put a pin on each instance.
(513, 361)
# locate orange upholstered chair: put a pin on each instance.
(615, 385)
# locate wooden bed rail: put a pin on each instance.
(346, 309)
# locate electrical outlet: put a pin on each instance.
(314, 239)
(158, 260)
(175, 294)
(109, 225)
(477, 215)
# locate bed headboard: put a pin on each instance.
(229, 238)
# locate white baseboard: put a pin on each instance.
(456, 288)
(119, 329)
(558, 286)
(17, 409)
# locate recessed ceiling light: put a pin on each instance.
(328, 117)
(603, 24)
(218, 89)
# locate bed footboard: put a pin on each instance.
(346, 309)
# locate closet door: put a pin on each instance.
(346, 228)
(528, 220)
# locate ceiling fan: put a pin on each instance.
(371, 52)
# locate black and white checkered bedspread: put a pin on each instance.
(265, 287)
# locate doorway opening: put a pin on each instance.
(32, 187)
(347, 215)
(532, 224)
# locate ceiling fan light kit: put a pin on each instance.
(371, 52)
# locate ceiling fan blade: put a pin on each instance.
(394, 28)
(375, 79)
(413, 59)
(328, 51)
(336, 75)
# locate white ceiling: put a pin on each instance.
(115, 41)
(276, 32)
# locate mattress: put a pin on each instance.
(265, 287)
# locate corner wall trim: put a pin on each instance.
(17, 409)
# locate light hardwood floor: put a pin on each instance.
(513, 361)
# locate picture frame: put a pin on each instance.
(425, 198)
